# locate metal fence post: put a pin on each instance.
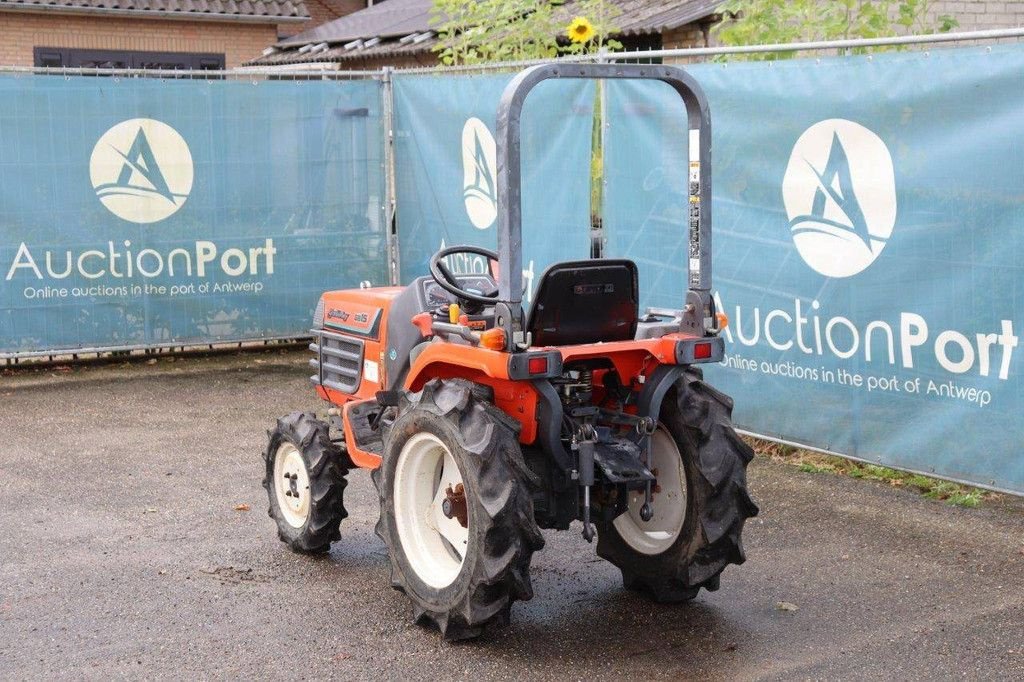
(390, 201)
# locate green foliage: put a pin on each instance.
(766, 22)
(515, 30)
(809, 468)
(878, 473)
(951, 493)
(932, 488)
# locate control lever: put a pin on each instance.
(586, 472)
(385, 399)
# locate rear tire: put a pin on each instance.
(714, 459)
(305, 482)
(460, 578)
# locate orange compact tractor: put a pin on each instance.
(483, 422)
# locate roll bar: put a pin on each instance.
(510, 213)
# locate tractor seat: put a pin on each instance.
(587, 301)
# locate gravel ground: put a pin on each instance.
(122, 554)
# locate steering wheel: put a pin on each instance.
(450, 283)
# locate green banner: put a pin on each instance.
(868, 240)
(141, 212)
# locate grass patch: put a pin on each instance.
(815, 463)
(809, 468)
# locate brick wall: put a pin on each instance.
(689, 35)
(978, 15)
(20, 32)
(973, 15)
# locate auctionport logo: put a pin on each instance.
(479, 189)
(840, 195)
(141, 170)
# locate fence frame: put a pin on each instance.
(324, 71)
(255, 75)
(312, 71)
(840, 45)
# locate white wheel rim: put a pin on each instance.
(434, 545)
(669, 501)
(291, 485)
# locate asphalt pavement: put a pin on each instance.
(134, 542)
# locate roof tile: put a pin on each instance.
(396, 18)
(272, 9)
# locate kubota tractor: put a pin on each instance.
(484, 423)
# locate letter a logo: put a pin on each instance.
(141, 170)
(479, 190)
(840, 195)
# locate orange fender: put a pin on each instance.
(518, 399)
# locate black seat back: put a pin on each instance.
(585, 302)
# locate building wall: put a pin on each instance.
(979, 15)
(20, 32)
(689, 35)
(972, 15)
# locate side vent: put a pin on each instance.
(338, 362)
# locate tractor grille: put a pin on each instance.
(338, 362)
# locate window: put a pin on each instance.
(126, 59)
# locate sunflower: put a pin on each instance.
(580, 30)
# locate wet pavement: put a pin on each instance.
(126, 551)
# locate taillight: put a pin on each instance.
(537, 365)
(707, 349)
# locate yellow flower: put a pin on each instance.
(580, 30)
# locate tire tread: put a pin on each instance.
(722, 502)
(328, 467)
(511, 536)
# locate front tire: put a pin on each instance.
(704, 502)
(463, 563)
(305, 483)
